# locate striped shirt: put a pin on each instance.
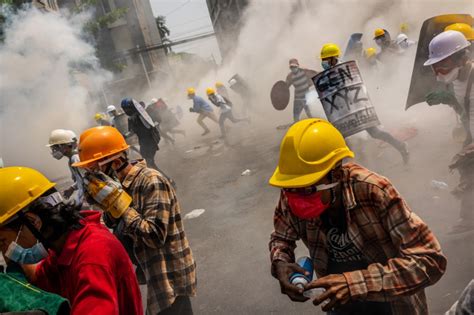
(402, 253)
(160, 245)
(300, 82)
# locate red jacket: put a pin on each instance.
(93, 271)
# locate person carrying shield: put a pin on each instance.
(449, 57)
(329, 58)
(300, 78)
(225, 109)
(371, 253)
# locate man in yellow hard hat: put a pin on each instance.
(221, 89)
(300, 78)
(101, 119)
(141, 205)
(383, 39)
(62, 250)
(371, 253)
(225, 107)
(329, 58)
(202, 108)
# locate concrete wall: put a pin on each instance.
(226, 17)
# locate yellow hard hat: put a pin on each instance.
(309, 150)
(20, 187)
(464, 28)
(370, 52)
(219, 84)
(210, 91)
(98, 116)
(330, 50)
(191, 91)
(404, 28)
(379, 32)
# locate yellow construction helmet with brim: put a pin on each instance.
(308, 151)
(191, 91)
(464, 28)
(19, 187)
(379, 32)
(330, 50)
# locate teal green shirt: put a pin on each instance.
(17, 295)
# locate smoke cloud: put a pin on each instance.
(46, 72)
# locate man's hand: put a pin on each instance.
(191, 110)
(441, 97)
(337, 291)
(107, 193)
(283, 272)
(68, 192)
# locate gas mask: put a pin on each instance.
(325, 64)
(56, 152)
(448, 77)
(20, 255)
(404, 44)
(308, 206)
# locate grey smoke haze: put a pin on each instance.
(39, 86)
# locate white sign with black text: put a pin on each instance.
(344, 98)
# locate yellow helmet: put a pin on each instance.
(191, 91)
(370, 52)
(210, 91)
(98, 116)
(330, 50)
(20, 187)
(219, 84)
(404, 28)
(464, 28)
(379, 32)
(309, 150)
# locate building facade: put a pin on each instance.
(226, 17)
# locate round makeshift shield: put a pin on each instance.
(280, 95)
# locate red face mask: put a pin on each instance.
(308, 206)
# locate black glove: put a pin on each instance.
(191, 110)
(441, 97)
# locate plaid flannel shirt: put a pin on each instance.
(160, 246)
(403, 255)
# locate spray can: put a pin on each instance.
(299, 279)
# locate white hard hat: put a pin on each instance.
(444, 45)
(400, 38)
(111, 108)
(61, 136)
(232, 82)
(153, 100)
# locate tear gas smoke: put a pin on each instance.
(274, 33)
(42, 62)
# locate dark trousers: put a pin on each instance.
(377, 133)
(230, 116)
(298, 106)
(148, 153)
(181, 306)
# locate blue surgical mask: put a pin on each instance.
(294, 70)
(21, 255)
(325, 64)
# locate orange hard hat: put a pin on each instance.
(99, 142)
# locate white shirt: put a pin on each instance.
(460, 88)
